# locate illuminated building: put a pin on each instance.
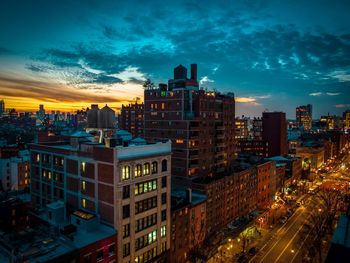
(304, 117)
(199, 123)
(131, 119)
(125, 183)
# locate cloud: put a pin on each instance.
(341, 76)
(130, 73)
(333, 93)
(316, 94)
(342, 105)
(205, 79)
(253, 100)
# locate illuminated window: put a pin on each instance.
(126, 172)
(163, 105)
(146, 169)
(44, 173)
(38, 157)
(49, 175)
(83, 164)
(138, 170)
(83, 203)
(83, 185)
(163, 231)
(179, 141)
(62, 161)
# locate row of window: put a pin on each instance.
(146, 222)
(145, 204)
(143, 170)
(145, 187)
(146, 240)
(139, 189)
(147, 256)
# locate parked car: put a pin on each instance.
(252, 251)
(283, 219)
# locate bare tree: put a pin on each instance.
(148, 84)
(197, 236)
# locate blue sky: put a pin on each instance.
(273, 55)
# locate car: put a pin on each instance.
(252, 251)
(283, 219)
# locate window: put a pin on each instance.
(146, 169)
(99, 255)
(83, 185)
(126, 250)
(126, 230)
(164, 181)
(126, 191)
(154, 167)
(163, 198)
(126, 211)
(163, 215)
(145, 204)
(83, 164)
(145, 187)
(179, 141)
(111, 250)
(145, 222)
(163, 105)
(163, 231)
(88, 258)
(126, 172)
(83, 202)
(138, 169)
(164, 165)
(145, 240)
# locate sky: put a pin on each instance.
(273, 55)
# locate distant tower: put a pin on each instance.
(304, 117)
(2, 107)
(106, 118)
(92, 116)
(180, 72)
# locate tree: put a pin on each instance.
(148, 84)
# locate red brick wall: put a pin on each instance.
(106, 212)
(72, 166)
(72, 184)
(105, 173)
(105, 193)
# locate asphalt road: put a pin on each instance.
(286, 245)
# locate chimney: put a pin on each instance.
(194, 71)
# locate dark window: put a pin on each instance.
(154, 167)
(111, 250)
(164, 181)
(145, 204)
(163, 198)
(126, 230)
(126, 249)
(126, 191)
(163, 215)
(88, 258)
(99, 254)
(126, 211)
(164, 165)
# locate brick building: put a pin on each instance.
(126, 184)
(199, 123)
(131, 119)
(275, 132)
(188, 225)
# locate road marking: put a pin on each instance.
(302, 244)
(276, 233)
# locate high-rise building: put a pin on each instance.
(241, 126)
(131, 119)
(100, 118)
(199, 123)
(275, 132)
(304, 117)
(127, 184)
(346, 120)
(256, 132)
(2, 107)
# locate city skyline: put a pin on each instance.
(271, 55)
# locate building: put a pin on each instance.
(241, 126)
(131, 119)
(346, 120)
(275, 132)
(293, 168)
(304, 117)
(2, 107)
(100, 118)
(188, 225)
(257, 129)
(125, 183)
(199, 123)
(312, 155)
(14, 168)
(82, 239)
(253, 147)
